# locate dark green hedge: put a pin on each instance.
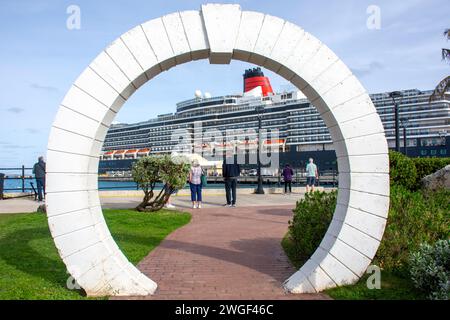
(415, 216)
(427, 166)
(312, 216)
(402, 170)
(408, 172)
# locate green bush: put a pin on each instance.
(312, 216)
(408, 172)
(414, 217)
(430, 269)
(427, 166)
(150, 170)
(402, 170)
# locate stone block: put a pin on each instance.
(136, 41)
(124, 59)
(108, 70)
(267, 39)
(221, 40)
(159, 41)
(61, 162)
(75, 122)
(83, 103)
(57, 182)
(177, 37)
(196, 34)
(96, 87)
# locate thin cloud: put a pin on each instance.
(32, 130)
(368, 69)
(15, 110)
(44, 88)
(16, 147)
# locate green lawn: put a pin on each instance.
(393, 287)
(30, 267)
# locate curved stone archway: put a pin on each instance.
(220, 33)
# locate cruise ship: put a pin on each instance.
(301, 132)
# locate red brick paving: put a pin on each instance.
(224, 253)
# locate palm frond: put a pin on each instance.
(446, 54)
(447, 34)
(442, 88)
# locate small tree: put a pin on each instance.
(148, 171)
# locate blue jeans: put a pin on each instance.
(40, 183)
(196, 192)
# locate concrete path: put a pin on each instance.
(121, 201)
(210, 201)
(224, 253)
(20, 205)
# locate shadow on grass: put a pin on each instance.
(32, 251)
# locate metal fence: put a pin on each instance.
(24, 174)
(21, 177)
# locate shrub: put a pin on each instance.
(312, 216)
(430, 269)
(148, 171)
(402, 170)
(414, 217)
(408, 172)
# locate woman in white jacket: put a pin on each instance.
(195, 182)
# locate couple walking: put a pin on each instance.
(197, 179)
(312, 174)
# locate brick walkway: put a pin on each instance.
(224, 253)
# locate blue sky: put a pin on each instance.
(40, 57)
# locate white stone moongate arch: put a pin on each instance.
(220, 33)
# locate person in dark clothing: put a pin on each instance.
(230, 172)
(287, 173)
(39, 174)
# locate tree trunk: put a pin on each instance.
(158, 203)
(148, 195)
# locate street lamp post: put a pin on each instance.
(259, 189)
(405, 138)
(393, 96)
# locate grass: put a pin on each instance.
(30, 267)
(393, 286)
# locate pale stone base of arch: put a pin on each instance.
(220, 33)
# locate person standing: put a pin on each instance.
(287, 173)
(169, 204)
(311, 175)
(230, 172)
(39, 175)
(195, 182)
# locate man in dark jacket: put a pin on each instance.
(230, 172)
(39, 174)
